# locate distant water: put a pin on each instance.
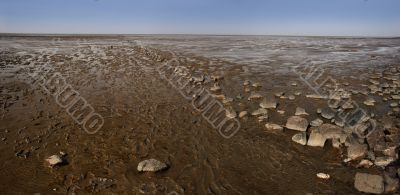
(275, 51)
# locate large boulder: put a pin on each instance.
(368, 183)
(297, 123)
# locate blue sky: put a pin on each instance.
(271, 17)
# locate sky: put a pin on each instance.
(231, 17)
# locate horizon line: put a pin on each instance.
(188, 34)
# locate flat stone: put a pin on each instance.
(319, 110)
(396, 97)
(300, 138)
(316, 96)
(330, 131)
(281, 111)
(394, 104)
(291, 97)
(369, 102)
(255, 95)
(297, 123)
(54, 160)
(300, 111)
(230, 113)
(357, 151)
(327, 113)
(316, 139)
(348, 105)
(256, 85)
(368, 183)
(365, 163)
(215, 88)
(243, 114)
(227, 100)
(151, 165)
(262, 118)
(271, 126)
(383, 161)
(260, 111)
(323, 176)
(279, 94)
(268, 103)
(316, 123)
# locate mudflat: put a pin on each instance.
(158, 114)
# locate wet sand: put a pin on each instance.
(146, 117)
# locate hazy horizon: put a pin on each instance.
(351, 18)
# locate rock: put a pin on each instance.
(291, 97)
(255, 95)
(316, 96)
(297, 93)
(281, 111)
(219, 96)
(336, 143)
(217, 77)
(246, 82)
(243, 114)
(365, 163)
(279, 94)
(383, 161)
(300, 138)
(323, 176)
(368, 183)
(316, 123)
(316, 139)
(227, 100)
(230, 113)
(394, 104)
(348, 105)
(215, 88)
(256, 85)
(333, 104)
(54, 160)
(300, 111)
(356, 151)
(271, 126)
(199, 79)
(260, 111)
(391, 183)
(330, 131)
(319, 110)
(327, 113)
(297, 123)
(151, 165)
(268, 103)
(369, 101)
(262, 118)
(339, 121)
(396, 97)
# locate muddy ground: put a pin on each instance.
(146, 117)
